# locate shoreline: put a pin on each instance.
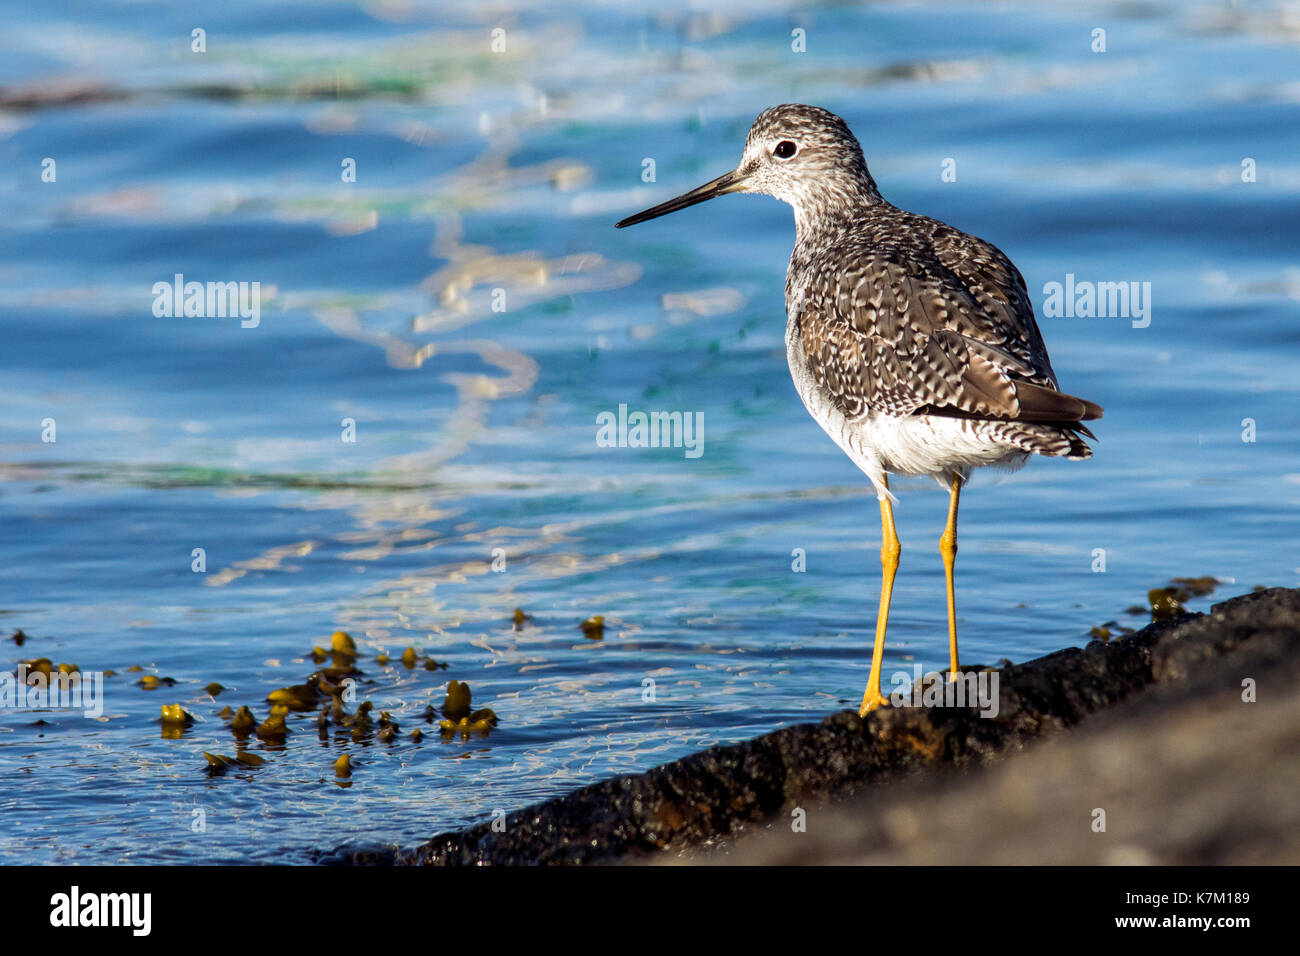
(723, 800)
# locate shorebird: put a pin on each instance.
(911, 343)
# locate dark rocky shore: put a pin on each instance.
(1157, 730)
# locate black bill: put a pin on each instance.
(726, 183)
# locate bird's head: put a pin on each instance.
(802, 155)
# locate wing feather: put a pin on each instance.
(926, 320)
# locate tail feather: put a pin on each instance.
(1039, 404)
(1050, 439)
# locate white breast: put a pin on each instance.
(933, 446)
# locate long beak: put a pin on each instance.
(731, 182)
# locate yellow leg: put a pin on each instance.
(889, 551)
(948, 548)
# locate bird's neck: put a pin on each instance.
(835, 206)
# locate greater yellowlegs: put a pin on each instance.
(912, 344)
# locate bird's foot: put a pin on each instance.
(871, 702)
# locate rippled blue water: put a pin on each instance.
(475, 429)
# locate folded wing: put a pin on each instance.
(938, 324)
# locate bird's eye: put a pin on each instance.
(784, 149)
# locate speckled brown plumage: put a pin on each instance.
(899, 315)
(911, 343)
